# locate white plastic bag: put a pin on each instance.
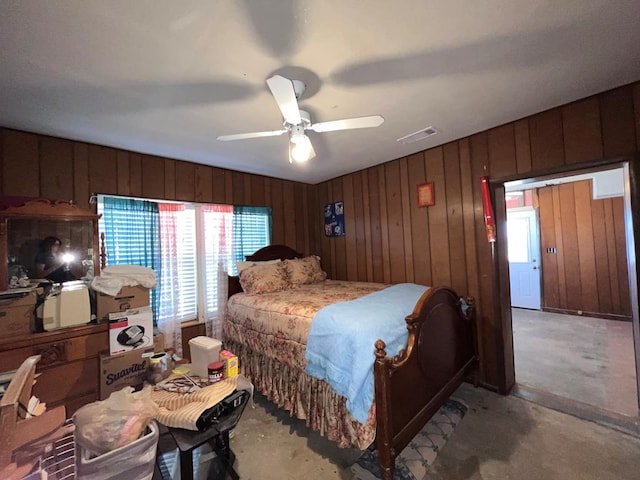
(119, 420)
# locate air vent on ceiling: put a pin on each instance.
(419, 135)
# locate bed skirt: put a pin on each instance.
(305, 397)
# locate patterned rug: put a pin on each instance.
(413, 462)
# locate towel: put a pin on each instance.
(340, 347)
(114, 277)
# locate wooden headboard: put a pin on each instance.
(270, 252)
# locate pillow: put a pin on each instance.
(242, 265)
(301, 271)
(264, 278)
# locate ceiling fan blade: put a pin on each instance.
(348, 123)
(282, 90)
(242, 136)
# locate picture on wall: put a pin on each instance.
(334, 219)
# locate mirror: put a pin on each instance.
(27, 247)
(24, 229)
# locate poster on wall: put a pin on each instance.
(334, 219)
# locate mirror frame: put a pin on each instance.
(44, 209)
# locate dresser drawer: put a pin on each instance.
(55, 353)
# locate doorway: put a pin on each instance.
(570, 347)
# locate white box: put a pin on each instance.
(130, 329)
(204, 350)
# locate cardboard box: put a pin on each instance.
(128, 298)
(131, 330)
(127, 369)
(17, 312)
(230, 363)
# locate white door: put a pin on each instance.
(524, 258)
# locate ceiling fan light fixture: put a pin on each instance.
(301, 148)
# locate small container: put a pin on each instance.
(216, 371)
(160, 366)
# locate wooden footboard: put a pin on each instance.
(413, 385)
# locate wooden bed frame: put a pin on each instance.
(441, 353)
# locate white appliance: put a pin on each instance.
(66, 305)
(204, 350)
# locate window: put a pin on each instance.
(251, 231)
(189, 246)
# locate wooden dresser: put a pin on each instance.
(69, 368)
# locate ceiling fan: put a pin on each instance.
(286, 93)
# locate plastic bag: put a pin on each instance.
(115, 422)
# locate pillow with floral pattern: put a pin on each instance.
(264, 278)
(301, 271)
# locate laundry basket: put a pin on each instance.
(135, 460)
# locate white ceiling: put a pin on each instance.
(166, 77)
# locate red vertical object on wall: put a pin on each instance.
(487, 208)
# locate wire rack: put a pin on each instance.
(59, 458)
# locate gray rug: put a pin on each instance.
(413, 462)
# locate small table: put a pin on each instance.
(217, 436)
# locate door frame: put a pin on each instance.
(500, 260)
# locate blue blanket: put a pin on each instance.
(340, 348)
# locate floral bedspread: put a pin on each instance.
(269, 332)
(277, 324)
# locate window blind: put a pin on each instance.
(251, 231)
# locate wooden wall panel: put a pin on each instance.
(582, 131)
(288, 199)
(588, 274)
(102, 170)
(56, 161)
(217, 178)
(618, 122)
(438, 231)
(624, 303)
(123, 180)
(603, 274)
(170, 179)
(338, 244)
(375, 221)
(407, 199)
(367, 225)
(21, 164)
(469, 214)
(394, 223)
(81, 191)
(153, 177)
(455, 221)
(239, 192)
(502, 150)
(523, 146)
(546, 137)
(636, 109)
(549, 261)
(359, 225)
(277, 212)
(586, 250)
(419, 222)
(351, 237)
(185, 181)
(135, 175)
(302, 224)
(203, 184)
